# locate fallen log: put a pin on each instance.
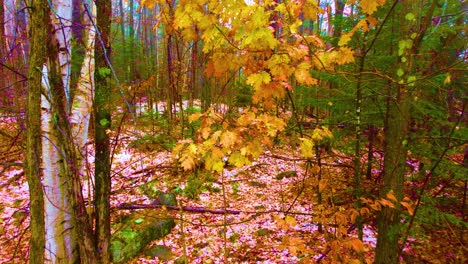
(192, 209)
(136, 232)
(197, 209)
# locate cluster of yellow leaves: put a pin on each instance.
(370, 6)
(238, 143)
(340, 56)
(307, 144)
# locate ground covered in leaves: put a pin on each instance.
(279, 209)
(270, 206)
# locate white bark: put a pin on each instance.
(58, 236)
(83, 100)
(59, 241)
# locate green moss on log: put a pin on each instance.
(137, 232)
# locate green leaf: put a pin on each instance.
(411, 80)
(104, 72)
(409, 16)
(400, 72)
(138, 221)
(104, 122)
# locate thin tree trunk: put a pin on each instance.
(38, 36)
(131, 35)
(102, 122)
(124, 47)
(338, 24)
(2, 47)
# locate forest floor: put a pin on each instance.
(273, 219)
(273, 212)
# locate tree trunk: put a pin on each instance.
(338, 24)
(102, 122)
(59, 246)
(396, 129)
(2, 47)
(131, 49)
(38, 36)
(69, 233)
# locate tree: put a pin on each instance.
(412, 32)
(38, 36)
(68, 230)
(102, 123)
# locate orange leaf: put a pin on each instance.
(357, 245)
(392, 197)
(322, 185)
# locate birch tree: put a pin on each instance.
(64, 122)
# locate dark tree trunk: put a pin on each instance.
(2, 45)
(102, 122)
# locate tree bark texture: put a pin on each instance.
(69, 234)
(102, 124)
(38, 36)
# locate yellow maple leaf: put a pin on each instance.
(317, 134)
(448, 79)
(370, 6)
(344, 39)
(302, 74)
(326, 132)
(238, 160)
(409, 205)
(345, 55)
(291, 221)
(281, 223)
(311, 9)
(386, 202)
(214, 160)
(187, 162)
(194, 117)
(306, 146)
(228, 139)
(258, 79)
(294, 26)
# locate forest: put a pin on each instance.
(233, 131)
